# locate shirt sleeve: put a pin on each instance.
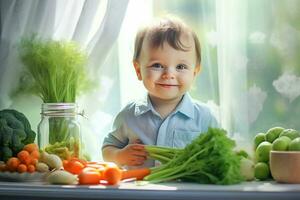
(118, 135)
(213, 122)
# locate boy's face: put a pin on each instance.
(167, 73)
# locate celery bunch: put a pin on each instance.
(208, 159)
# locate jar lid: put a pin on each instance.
(59, 109)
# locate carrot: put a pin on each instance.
(34, 161)
(3, 167)
(96, 166)
(23, 155)
(27, 161)
(139, 174)
(22, 168)
(79, 160)
(112, 175)
(35, 154)
(31, 147)
(74, 167)
(12, 164)
(97, 163)
(89, 177)
(31, 168)
(65, 163)
(100, 170)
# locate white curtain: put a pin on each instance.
(258, 66)
(95, 24)
(231, 21)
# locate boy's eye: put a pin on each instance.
(157, 65)
(181, 66)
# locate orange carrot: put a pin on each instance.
(31, 147)
(65, 163)
(96, 166)
(89, 177)
(27, 161)
(94, 169)
(74, 167)
(31, 168)
(35, 154)
(3, 167)
(97, 163)
(139, 174)
(112, 175)
(22, 168)
(12, 164)
(23, 155)
(34, 161)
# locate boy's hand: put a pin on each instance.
(132, 155)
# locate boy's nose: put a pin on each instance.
(168, 74)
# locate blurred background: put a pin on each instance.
(250, 70)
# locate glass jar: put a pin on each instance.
(59, 130)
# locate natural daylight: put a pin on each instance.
(150, 99)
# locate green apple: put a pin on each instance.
(273, 133)
(261, 171)
(281, 143)
(291, 133)
(259, 138)
(262, 151)
(295, 144)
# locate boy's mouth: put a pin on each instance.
(167, 85)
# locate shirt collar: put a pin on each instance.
(185, 106)
(142, 106)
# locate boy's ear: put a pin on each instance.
(137, 68)
(197, 69)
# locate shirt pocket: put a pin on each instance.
(183, 137)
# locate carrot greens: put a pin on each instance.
(209, 159)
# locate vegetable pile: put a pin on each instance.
(276, 139)
(209, 159)
(93, 173)
(31, 159)
(15, 132)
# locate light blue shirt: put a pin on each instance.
(139, 120)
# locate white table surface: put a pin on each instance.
(172, 190)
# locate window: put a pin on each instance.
(250, 69)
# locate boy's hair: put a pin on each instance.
(166, 30)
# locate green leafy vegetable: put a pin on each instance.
(55, 70)
(210, 159)
(15, 132)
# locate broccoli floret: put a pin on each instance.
(30, 137)
(2, 124)
(17, 149)
(7, 134)
(15, 141)
(6, 153)
(15, 132)
(11, 120)
(20, 133)
(20, 116)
